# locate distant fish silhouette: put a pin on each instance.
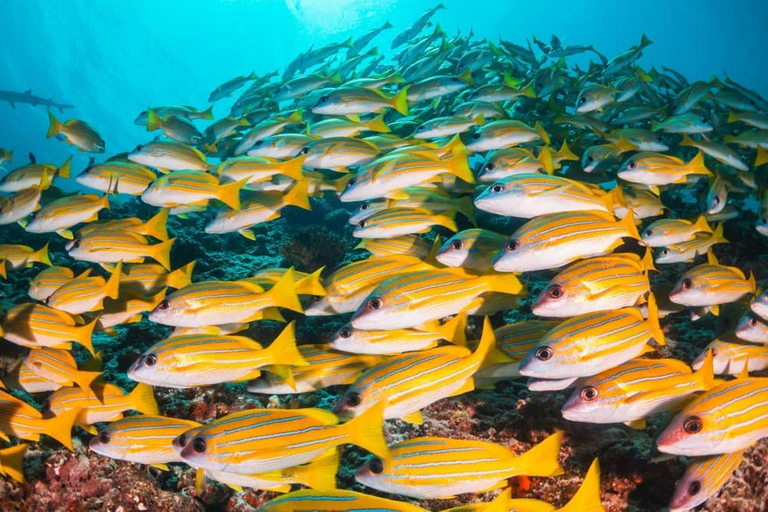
(28, 98)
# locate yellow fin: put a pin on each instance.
(413, 417)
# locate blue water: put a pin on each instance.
(112, 59)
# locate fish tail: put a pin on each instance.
(458, 165)
(541, 460)
(11, 461)
(284, 351)
(55, 126)
(718, 236)
(153, 120)
(142, 399)
(298, 196)
(565, 153)
(752, 283)
(545, 158)
(587, 498)
(207, 114)
(447, 220)
(653, 321)
(112, 286)
(505, 283)
(761, 158)
(400, 101)
(733, 117)
(512, 83)
(104, 203)
(466, 76)
(293, 168)
(64, 170)
(85, 335)
(156, 226)
(182, 276)
(706, 374)
(528, 91)
(42, 255)
(311, 284)
(646, 263)
(367, 430)
(501, 503)
(697, 166)
(3, 272)
(454, 330)
(60, 426)
(701, 224)
(687, 141)
(377, 124)
(229, 193)
(466, 207)
(283, 294)
(628, 222)
(542, 133)
(486, 345)
(85, 379)
(162, 253)
(320, 473)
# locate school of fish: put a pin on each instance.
(599, 176)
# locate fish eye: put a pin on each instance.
(258, 143)
(75, 243)
(694, 488)
(648, 232)
(376, 466)
(714, 352)
(752, 321)
(490, 166)
(375, 303)
(165, 304)
(660, 139)
(632, 164)
(139, 147)
(589, 393)
(686, 284)
(361, 224)
(457, 245)
(353, 399)
(555, 291)
(590, 159)
(497, 188)
(715, 201)
(454, 79)
(421, 128)
(346, 332)
(104, 437)
(693, 425)
(664, 252)
(150, 360)
(182, 440)
(544, 353)
(476, 136)
(199, 445)
(364, 207)
(304, 150)
(351, 182)
(512, 245)
(323, 99)
(582, 100)
(317, 298)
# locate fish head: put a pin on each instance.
(169, 311)
(154, 367)
(590, 99)
(455, 251)
(494, 199)
(690, 492)
(723, 358)
(692, 288)
(181, 441)
(670, 254)
(386, 308)
(345, 339)
(359, 188)
(376, 473)
(328, 103)
(549, 360)
(319, 306)
(366, 209)
(752, 328)
(518, 255)
(760, 305)
(692, 433)
(109, 443)
(153, 194)
(591, 403)
(355, 401)
(478, 141)
(593, 156)
(562, 299)
(200, 451)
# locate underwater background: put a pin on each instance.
(112, 60)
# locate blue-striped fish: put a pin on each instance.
(657, 169)
(752, 328)
(346, 101)
(31, 175)
(86, 293)
(505, 133)
(335, 500)
(439, 467)
(115, 246)
(59, 366)
(116, 176)
(397, 222)
(731, 357)
(711, 284)
(35, 326)
(21, 256)
(21, 420)
(472, 249)
(702, 479)
(665, 232)
(170, 156)
(192, 187)
(48, 280)
(76, 132)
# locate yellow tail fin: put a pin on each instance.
(229, 193)
(85, 381)
(367, 430)
(541, 460)
(400, 101)
(60, 427)
(701, 224)
(85, 334)
(454, 330)
(283, 350)
(565, 153)
(761, 158)
(697, 166)
(142, 399)
(162, 253)
(298, 196)
(64, 170)
(112, 286)
(378, 125)
(718, 235)
(653, 321)
(447, 220)
(629, 224)
(458, 164)
(11, 461)
(545, 158)
(706, 374)
(311, 284)
(181, 277)
(153, 120)
(156, 226)
(587, 498)
(542, 133)
(43, 257)
(293, 168)
(486, 344)
(283, 294)
(55, 126)
(320, 473)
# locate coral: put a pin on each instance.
(313, 247)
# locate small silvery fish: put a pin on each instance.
(76, 132)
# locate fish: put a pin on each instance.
(664, 232)
(688, 123)
(62, 214)
(258, 169)
(712, 284)
(21, 256)
(203, 360)
(503, 134)
(21, 420)
(230, 86)
(447, 126)
(149, 279)
(85, 293)
(439, 467)
(688, 250)
(48, 280)
(27, 98)
(588, 344)
(657, 169)
(144, 439)
(174, 127)
(595, 97)
(59, 366)
(191, 187)
(752, 328)
(411, 299)
(339, 153)
(31, 175)
(186, 112)
(397, 222)
(731, 357)
(634, 390)
(702, 479)
(346, 101)
(408, 245)
(266, 129)
(725, 419)
(36, 325)
(262, 440)
(408, 383)
(108, 404)
(506, 162)
(223, 302)
(397, 341)
(556, 239)
(760, 305)
(22, 204)
(169, 156)
(311, 500)
(125, 310)
(327, 367)
(11, 462)
(117, 177)
(472, 250)
(76, 132)
(717, 196)
(341, 127)
(116, 246)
